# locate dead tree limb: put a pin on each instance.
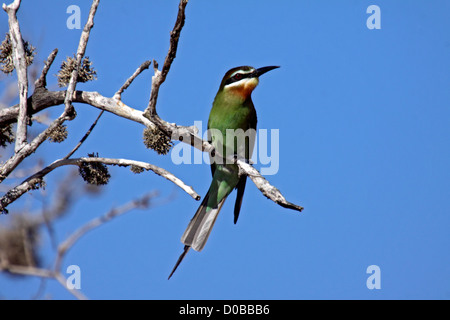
(20, 64)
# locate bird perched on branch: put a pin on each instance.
(232, 132)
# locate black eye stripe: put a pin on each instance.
(239, 76)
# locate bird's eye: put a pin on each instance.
(238, 76)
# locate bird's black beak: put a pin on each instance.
(263, 70)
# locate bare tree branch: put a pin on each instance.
(41, 273)
(160, 76)
(68, 113)
(66, 245)
(41, 81)
(25, 270)
(42, 99)
(113, 213)
(32, 181)
(28, 149)
(80, 54)
(84, 137)
(20, 64)
(63, 281)
(265, 187)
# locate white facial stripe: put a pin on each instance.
(239, 83)
(242, 71)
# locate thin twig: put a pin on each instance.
(28, 271)
(113, 213)
(41, 82)
(80, 54)
(142, 67)
(84, 137)
(160, 76)
(63, 281)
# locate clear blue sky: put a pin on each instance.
(363, 117)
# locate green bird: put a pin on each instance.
(232, 132)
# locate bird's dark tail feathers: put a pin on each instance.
(186, 249)
(199, 229)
